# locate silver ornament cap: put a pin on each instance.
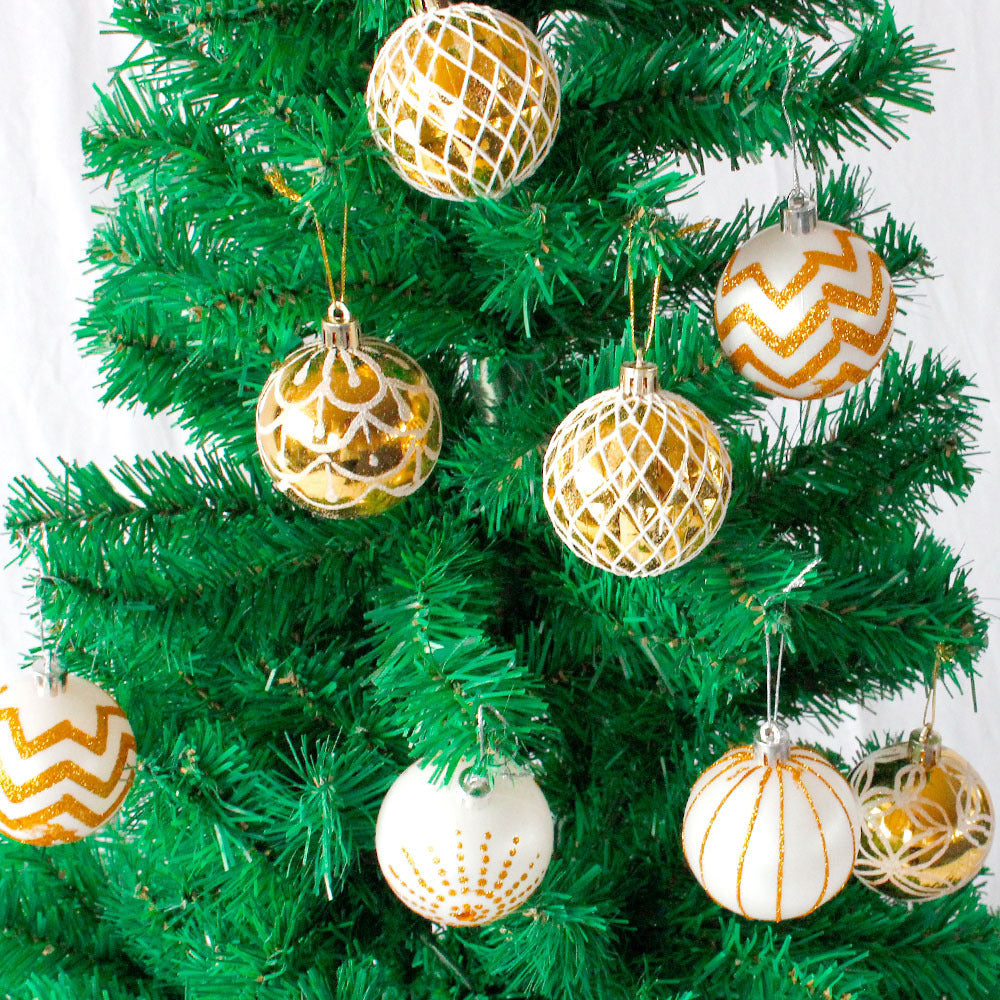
(799, 216)
(639, 378)
(771, 744)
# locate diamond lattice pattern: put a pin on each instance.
(464, 100)
(637, 485)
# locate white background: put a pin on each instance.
(943, 180)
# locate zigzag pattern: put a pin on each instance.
(818, 375)
(46, 824)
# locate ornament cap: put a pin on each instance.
(341, 330)
(50, 675)
(925, 747)
(799, 216)
(639, 378)
(771, 744)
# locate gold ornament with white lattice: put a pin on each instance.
(464, 100)
(636, 479)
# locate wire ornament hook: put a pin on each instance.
(478, 785)
(797, 193)
(773, 674)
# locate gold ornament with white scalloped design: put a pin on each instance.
(636, 480)
(805, 309)
(464, 100)
(348, 426)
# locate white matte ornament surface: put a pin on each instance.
(67, 760)
(636, 484)
(805, 316)
(771, 841)
(465, 101)
(462, 859)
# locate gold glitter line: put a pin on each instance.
(68, 769)
(781, 844)
(822, 838)
(741, 756)
(715, 816)
(746, 842)
(815, 259)
(869, 305)
(64, 730)
(67, 804)
(840, 802)
(784, 347)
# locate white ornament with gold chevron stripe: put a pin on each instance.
(67, 758)
(805, 309)
(461, 852)
(771, 831)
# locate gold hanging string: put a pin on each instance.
(942, 654)
(640, 353)
(273, 177)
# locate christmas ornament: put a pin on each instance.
(67, 757)
(636, 479)
(805, 309)
(463, 853)
(464, 100)
(770, 830)
(927, 819)
(350, 425)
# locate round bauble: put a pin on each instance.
(771, 831)
(460, 852)
(348, 426)
(636, 479)
(805, 309)
(67, 758)
(927, 819)
(464, 100)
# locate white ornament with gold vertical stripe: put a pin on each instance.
(805, 309)
(460, 852)
(67, 758)
(771, 831)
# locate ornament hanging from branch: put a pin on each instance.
(347, 426)
(636, 480)
(927, 816)
(467, 851)
(804, 309)
(67, 756)
(771, 830)
(464, 100)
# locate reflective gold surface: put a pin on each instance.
(465, 101)
(926, 832)
(637, 485)
(348, 433)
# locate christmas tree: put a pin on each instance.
(280, 670)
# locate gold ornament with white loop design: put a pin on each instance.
(67, 757)
(636, 480)
(465, 101)
(804, 309)
(464, 852)
(927, 816)
(349, 426)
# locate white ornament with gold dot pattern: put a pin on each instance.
(771, 831)
(460, 852)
